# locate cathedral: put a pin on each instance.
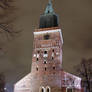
(47, 74)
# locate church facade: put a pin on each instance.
(47, 74)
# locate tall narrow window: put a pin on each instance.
(52, 55)
(45, 52)
(37, 59)
(45, 62)
(37, 68)
(45, 68)
(42, 89)
(48, 89)
(38, 51)
(53, 50)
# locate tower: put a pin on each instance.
(47, 74)
(47, 52)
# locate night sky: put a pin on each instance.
(75, 20)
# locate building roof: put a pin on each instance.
(67, 80)
(48, 18)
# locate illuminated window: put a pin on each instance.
(52, 54)
(34, 55)
(45, 54)
(37, 55)
(57, 53)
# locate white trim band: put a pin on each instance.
(50, 31)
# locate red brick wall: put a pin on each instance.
(52, 75)
(49, 73)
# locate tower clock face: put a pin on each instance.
(46, 36)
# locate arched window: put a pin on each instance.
(53, 50)
(45, 52)
(37, 59)
(48, 89)
(37, 68)
(42, 89)
(54, 68)
(45, 62)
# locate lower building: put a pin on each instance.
(64, 82)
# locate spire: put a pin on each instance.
(49, 8)
(48, 18)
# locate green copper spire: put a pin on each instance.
(49, 8)
(49, 18)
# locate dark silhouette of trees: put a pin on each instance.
(2, 82)
(84, 70)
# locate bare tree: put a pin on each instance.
(7, 17)
(84, 69)
(7, 9)
(2, 82)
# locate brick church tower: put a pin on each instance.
(47, 74)
(47, 52)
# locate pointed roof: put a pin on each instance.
(48, 19)
(49, 8)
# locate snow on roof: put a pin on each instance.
(24, 83)
(70, 80)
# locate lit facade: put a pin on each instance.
(46, 73)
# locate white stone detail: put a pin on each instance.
(34, 55)
(50, 31)
(45, 55)
(52, 54)
(57, 53)
(37, 55)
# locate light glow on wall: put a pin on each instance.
(50, 31)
